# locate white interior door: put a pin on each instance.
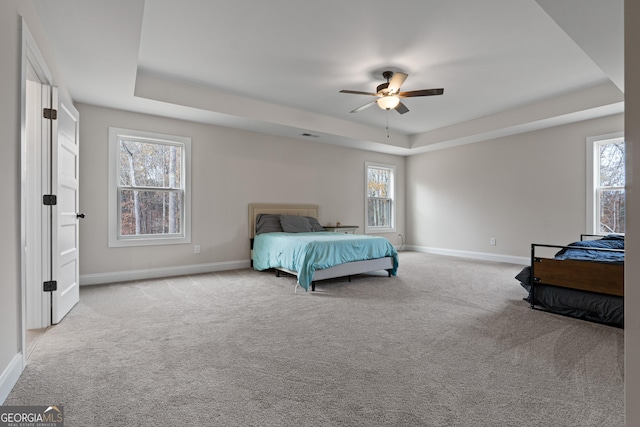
(65, 213)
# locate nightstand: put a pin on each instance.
(347, 229)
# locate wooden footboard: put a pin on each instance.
(601, 277)
(592, 276)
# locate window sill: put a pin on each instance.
(379, 230)
(156, 241)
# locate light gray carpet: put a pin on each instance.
(449, 342)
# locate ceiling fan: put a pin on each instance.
(389, 93)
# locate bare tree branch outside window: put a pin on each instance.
(150, 188)
(610, 191)
(379, 196)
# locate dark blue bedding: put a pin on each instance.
(576, 251)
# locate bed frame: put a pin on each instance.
(343, 270)
(591, 276)
(601, 277)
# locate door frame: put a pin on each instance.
(31, 56)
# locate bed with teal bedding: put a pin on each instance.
(304, 254)
(289, 238)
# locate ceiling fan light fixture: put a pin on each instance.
(388, 102)
(389, 94)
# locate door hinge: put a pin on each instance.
(49, 200)
(50, 113)
(50, 286)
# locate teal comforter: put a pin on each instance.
(307, 252)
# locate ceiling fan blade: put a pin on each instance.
(401, 108)
(357, 92)
(396, 81)
(423, 92)
(367, 105)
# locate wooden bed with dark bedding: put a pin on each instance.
(584, 279)
(347, 269)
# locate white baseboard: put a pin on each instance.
(10, 377)
(153, 273)
(473, 255)
(124, 276)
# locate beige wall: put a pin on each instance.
(632, 264)
(230, 169)
(520, 189)
(10, 167)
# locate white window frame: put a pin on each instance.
(379, 229)
(593, 170)
(115, 238)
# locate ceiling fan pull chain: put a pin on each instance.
(388, 123)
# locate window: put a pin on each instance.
(606, 193)
(149, 191)
(380, 206)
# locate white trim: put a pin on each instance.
(591, 226)
(379, 230)
(30, 54)
(10, 376)
(510, 259)
(113, 215)
(154, 273)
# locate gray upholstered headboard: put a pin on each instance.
(279, 209)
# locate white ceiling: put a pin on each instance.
(507, 66)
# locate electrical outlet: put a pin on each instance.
(196, 249)
(492, 241)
